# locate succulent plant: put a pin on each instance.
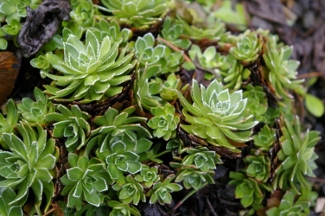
(265, 139)
(164, 121)
(281, 71)
(85, 179)
(122, 209)
(114, 31)
(82, 13)
(205, 59)
(143, 94)
(6, 209)
(70, 124)
(114, 123)
(41, 63)
(147, 176)
(235, 75)
(8, 124)
(258, 166)
(247, 48)
(170, 86)
(247, 190)
(89, 71)
(28, 165)
(122, 155)
(297, 156)
(35, 111)
(172, 31)
(217, 116)
(194, 178)
(146, 51)
(161, 191)
(137, 12)
(290, 204)
(130, 191)
(257, 102)
(209, 28)
(201, 158)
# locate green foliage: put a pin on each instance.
(130, 191)
(147, 176)
(144, 98)
(122, 155)
(290, 204)
(161, 191)
(210, 28)
(259, 166)
(256, 100)
(170, 86)
(248, 46)
(172, 31)
(89, 71)
(217, 116)
(265, 139)
(137, 12)
(8, 124)
(143, 90)
(193, 178)
(281, 71)
(297, 156)
(85, 179)
(248, 190)
(147, 52)
(201, 158)
(164, 121)
(314, 105)
(28, 165)
(7, 209)
(35, 111)
(70, 124)
(122, 209)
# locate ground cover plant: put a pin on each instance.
(139, 105)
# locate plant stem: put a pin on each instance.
(186, 197)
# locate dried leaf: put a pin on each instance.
(9, 69)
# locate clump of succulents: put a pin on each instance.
(143, 101)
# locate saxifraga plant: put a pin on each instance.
(144, 99)
(28, 166)
(86, 179)
(89, 71)
(297, 156)
(217, 115)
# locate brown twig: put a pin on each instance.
(175, 48)
(310, 75)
